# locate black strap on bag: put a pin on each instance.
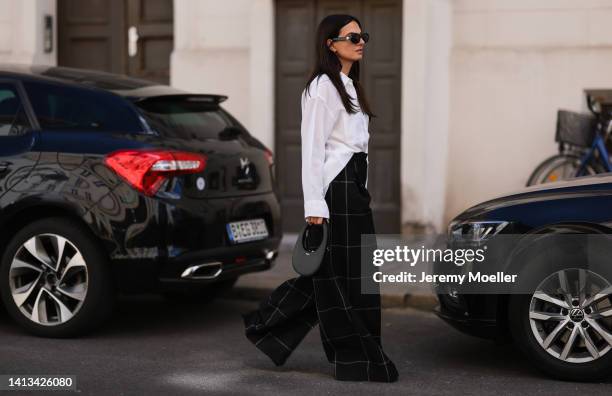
(310, 247)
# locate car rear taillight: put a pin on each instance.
(269, 157)
(146, 170)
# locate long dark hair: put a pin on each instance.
(328, 63)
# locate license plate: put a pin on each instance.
(247, 230)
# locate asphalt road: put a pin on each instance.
(156, 347)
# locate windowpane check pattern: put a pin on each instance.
(349, 321)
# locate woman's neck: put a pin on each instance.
(346, 67)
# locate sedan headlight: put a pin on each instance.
(475, 231)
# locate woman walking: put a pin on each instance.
(334, 131)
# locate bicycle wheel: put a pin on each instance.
(558, 167)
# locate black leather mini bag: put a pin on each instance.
(310, 248)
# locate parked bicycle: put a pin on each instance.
(582, 140)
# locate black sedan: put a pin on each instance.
(560, 312)
(109, 183)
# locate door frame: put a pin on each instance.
(397, 206)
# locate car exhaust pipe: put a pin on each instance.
(203, 271)
(271, 254)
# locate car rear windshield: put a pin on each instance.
(184, 117)
(62, 107)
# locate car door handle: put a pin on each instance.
(4, 166)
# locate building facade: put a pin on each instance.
(466, 90)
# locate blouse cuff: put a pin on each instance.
(316, 208)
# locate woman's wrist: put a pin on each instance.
(315, 220)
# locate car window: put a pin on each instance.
(64, 107)
(13, 119)
(185, 118)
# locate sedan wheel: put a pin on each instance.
(571, 315)
(55, 279)
(564, 324)
(48, 279)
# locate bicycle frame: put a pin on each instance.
(598, 145)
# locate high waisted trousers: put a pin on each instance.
(349, 320)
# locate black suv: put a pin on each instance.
(109, 183)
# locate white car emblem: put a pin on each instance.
(200, 183)
(244, 161)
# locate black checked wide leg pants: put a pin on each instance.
(349, 320)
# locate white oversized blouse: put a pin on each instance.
(330, 136)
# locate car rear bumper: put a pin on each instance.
(156, 243)
(219, 264)
(194, 269)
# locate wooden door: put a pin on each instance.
(152, 20)
(90, 34)
(132, 37)
(295, 23)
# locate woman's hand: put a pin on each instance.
(315, 220)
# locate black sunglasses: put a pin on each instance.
(353, 37)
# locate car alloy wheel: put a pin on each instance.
(571, 315)
(48, 279)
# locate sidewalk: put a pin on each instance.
(259, 285)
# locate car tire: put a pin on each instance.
(56, 298)
(532, 326)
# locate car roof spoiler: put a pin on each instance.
(201, 98)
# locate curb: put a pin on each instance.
(423, 302)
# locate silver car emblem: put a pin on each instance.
(576, 314)
(244, 162)
(200, 183)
